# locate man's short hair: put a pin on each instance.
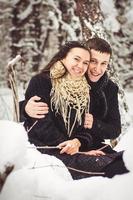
(99, 44)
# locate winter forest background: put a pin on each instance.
(35, 29)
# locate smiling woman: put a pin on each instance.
(71, 91)
(63, 86)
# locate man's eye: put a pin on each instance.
(104, 64)
(93, 61)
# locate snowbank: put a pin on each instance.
(46, 177)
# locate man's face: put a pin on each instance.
(98, 65)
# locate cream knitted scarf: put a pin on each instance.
(67, 94)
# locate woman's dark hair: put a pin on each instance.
(99, 44)
(62, 53)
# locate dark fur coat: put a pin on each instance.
(105, 109)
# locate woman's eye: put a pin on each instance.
(86, 63)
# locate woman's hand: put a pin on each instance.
(70, 146)
(36, 109)
(93, 153)
(88, 122)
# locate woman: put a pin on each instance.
(63, 86)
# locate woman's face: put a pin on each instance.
(77, 62)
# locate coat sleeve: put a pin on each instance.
(110, 126)
(44, 132)
(85, 139)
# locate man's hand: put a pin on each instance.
(36, 109)
(70, 146)
(88, 123)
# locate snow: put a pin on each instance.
(129, 14)
(41, 176)
(26, 13)
(38, 174)
(28, 10)
(129, 98)
(110, 14)
(6, 102)
(12, 145)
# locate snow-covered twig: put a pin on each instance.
(14, 61)
(106, 145)
(85, 172)
(44, 147)
(13, 84)
(29, 129)
(70, 168)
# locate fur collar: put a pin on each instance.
(97, 87)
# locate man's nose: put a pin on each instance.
(98, 67)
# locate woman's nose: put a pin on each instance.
(80, 65)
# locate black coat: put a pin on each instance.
(105, 109)
(51, 129)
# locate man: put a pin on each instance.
(103, 118)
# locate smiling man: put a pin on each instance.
(98, 65)
(103, 119)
